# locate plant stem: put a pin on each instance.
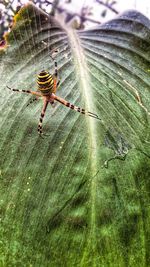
(59, 9)
(108, 6)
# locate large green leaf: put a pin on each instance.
(59, 205)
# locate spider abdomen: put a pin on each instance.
(45, 82)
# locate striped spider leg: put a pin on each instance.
(42, 115)
(63, 101)
(25, 91)
(55, 77)
(32, 101)
(78, 109)
(37, 94)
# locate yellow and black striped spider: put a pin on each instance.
(47, 86)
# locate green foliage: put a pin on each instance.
(59, 205)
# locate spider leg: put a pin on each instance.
(41, 117)
(56, 75)
(56, 80)
(56, 84)
(32, 100)
(78, 109)
(56, 69)
(24, 91)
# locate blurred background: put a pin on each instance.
(80, 14)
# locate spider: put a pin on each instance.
(47, 87)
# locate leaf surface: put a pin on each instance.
(59, 205)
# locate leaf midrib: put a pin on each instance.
(83, 78)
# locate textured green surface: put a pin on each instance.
(59, 206)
